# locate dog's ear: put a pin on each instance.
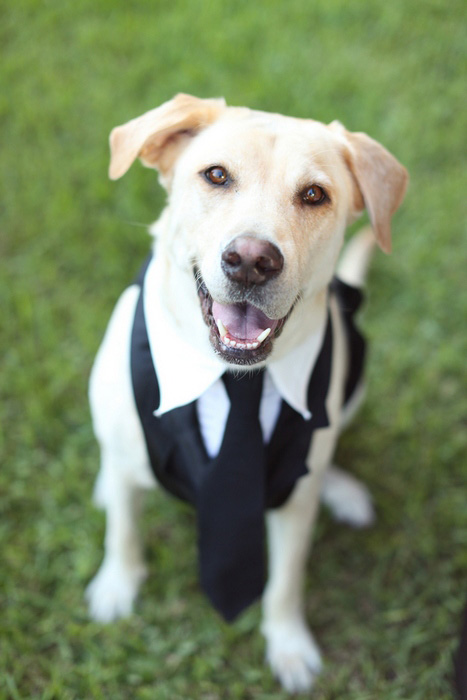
(381, 181)
(158, 136)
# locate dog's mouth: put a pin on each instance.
(241, 333)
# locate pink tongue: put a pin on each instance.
(243, 321)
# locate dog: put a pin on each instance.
(241, 285)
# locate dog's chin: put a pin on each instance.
(240, 333)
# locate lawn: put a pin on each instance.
(384, 603)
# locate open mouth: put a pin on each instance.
(241, 333)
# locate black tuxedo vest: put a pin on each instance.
(175, 446)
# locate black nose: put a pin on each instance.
(250, 260)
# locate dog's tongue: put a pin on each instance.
(242, 321)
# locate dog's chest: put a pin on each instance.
(213, 407)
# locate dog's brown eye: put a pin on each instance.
(313, 195)
(217, 175)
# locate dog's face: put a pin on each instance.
(258, 208)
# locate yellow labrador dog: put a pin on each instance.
(227, 370)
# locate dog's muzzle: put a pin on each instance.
(240, 332)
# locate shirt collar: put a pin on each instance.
(186, 370)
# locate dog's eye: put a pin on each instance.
(313, 195)
(217, 175)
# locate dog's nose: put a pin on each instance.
(250, 260)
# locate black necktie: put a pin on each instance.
(231, 505)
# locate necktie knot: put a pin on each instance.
(244, 390)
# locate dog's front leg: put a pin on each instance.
(125, 469)
(114, 588)
(290, 649)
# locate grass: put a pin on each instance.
(384, 604)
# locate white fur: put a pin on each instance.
(269, 154)
(347, 498)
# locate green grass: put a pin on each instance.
(384, 604)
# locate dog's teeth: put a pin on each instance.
(262, 336)
(222, 328)
(235, 343)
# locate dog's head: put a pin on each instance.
(258, 206)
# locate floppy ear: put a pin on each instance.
(379, 177)
(158, 136)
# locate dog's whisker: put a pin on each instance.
(138, 224)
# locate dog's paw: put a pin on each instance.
(293, 655)
(347, 498)
(113, 590)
